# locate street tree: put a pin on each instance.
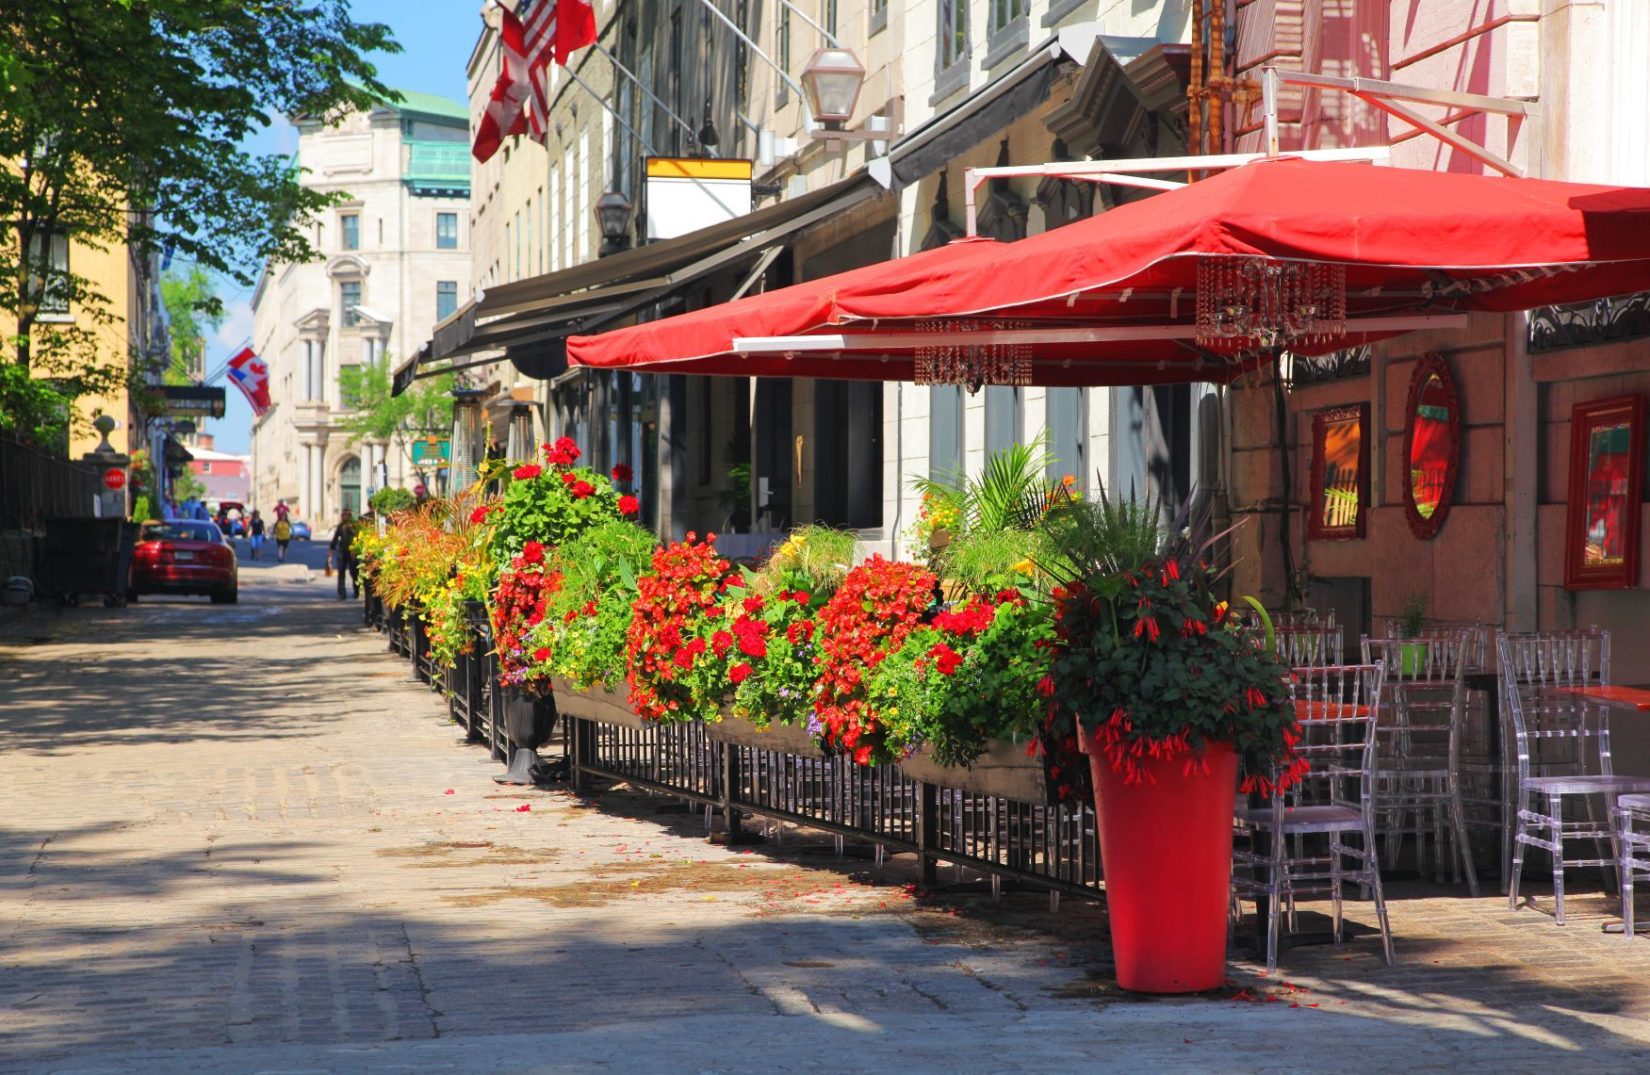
(424, 410)
(192, 310)
(124, 123)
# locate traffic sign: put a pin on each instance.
(114, 479)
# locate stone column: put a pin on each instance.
(318, 483)
(304, 492)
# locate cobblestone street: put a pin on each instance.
(242, 838)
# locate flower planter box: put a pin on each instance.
(787, 738)
(1003, 771)
(598, 704)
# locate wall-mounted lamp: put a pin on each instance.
(832, 80)
(613, 212)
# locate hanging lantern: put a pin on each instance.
(1268, 303)
(970, 365)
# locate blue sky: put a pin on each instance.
(436, 37)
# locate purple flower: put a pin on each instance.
(816, 726)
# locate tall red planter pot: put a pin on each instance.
(1166, 848)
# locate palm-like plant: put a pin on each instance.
(1010, 493)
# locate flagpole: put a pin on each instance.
(614, 60)
(651, 151)
(802, 98)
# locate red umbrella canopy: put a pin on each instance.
(1408, 242)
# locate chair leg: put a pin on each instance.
(1517, 864)
(1624, 859)
(1556, 830)
(1276, 887)
(1458, 818)
(1373, 866)
(1335, 851)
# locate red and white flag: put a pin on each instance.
(554, 29)
(249, 373)
(530, 37)
(506, 112)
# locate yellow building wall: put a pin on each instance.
(109, 273)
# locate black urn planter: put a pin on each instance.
(529, 721)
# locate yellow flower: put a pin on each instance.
(1026, 567)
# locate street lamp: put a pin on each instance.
(613, 215)
(832, 80)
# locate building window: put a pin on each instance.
(206, 468)
(446, 231)
(53, 251)
(1067, 436)
(953, 36)
(446, 298)
(1008, 30)
(1002, 418)
(782, 48)
(350, 225)
(742, 55)
(945, 431)
(879, 15)
(349, 297)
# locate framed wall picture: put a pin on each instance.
(1432, 446)
(1340, 473)
(1601, 546)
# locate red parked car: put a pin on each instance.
(184, 556)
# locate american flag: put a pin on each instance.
(530, 37)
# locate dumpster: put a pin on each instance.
(89, 556)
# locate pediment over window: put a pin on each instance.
(347, 266)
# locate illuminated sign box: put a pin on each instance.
(685, 194)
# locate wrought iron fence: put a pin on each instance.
(1047, 845)
(35, 485)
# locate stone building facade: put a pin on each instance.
(395, 260)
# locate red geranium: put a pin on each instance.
(479, 516)
(877, 606)
(622, 472)
(527, 471)
(740, 672)
(669, 617)
(629, 505)
(532, 553)
(564, 453)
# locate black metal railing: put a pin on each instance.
(1048, 845)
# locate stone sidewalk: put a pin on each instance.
(241, 839)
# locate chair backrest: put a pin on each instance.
(1338, 707)
(1556, 658)
(1474, 635)
(1537, 670)
(1309, 645)
(1424, 699)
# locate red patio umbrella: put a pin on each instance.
(1169, 267)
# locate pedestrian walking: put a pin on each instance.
(283, 537)
(255, 533)
(341, 554)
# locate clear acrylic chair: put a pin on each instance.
(1338, 706)
(1418, 749)
(1308, 645)
(1633, 837)
(1560, 745)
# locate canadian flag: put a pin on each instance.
(530, 36)
(249, 373)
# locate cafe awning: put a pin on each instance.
(584, 297)
(1173, 277)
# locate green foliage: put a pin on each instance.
(144, 509)
(994, 691)
(813, 558)
(1101, 538)
(1010, 493)
(123, 126)
(423, 409)
(185, 485)
(1412, 617)
(538, 505)
(989, 561)
(389, 501)
(192, 310)
(586, 619)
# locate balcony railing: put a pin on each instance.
(437, 165)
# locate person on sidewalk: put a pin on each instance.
(341, 554)
(283, 538)
(255, 533)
